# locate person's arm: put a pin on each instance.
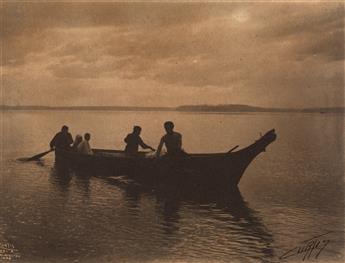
(52, 142)
(126, 139)
(89, 150)
(144, 145)
(70, 139)
(159, 149)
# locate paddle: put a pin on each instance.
(36, 157)
(233, 148)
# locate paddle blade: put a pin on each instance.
(35, 157)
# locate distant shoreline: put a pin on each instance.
(231, 108)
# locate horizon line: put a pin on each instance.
(206, 107)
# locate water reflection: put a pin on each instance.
(226, 210)
(219, 216)
(252, 233)
(82, 182)
(40, 162)
(170, 211)
(60, 178)
(54, 219)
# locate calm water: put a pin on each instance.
(289, 194)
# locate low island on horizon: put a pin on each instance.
(183, 108)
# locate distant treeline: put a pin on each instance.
(247, 108)
(185, 108)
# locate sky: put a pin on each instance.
(269, 54)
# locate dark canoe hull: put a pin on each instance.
(212, 170)
(218, 169)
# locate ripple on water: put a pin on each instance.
(289, 193)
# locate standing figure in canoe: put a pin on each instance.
(172, 141)
(133, 140)
(62, 140)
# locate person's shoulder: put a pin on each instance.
(130, 136)
(178, 134)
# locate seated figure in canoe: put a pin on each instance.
(172, 141)
(133, 140)
(62, 140)
(84, 146)
(78, 139)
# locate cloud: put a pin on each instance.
(263, 54)
(313, 29)
(29, 17)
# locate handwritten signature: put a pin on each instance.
(311, 247)
(8, 252)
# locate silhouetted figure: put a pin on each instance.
(84, 146)
(133, 141)
(172, 141)
(78, 139)
(62, 140)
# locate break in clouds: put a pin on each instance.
(169, 54)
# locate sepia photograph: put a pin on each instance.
(172, 131)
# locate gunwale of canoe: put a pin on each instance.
(141, 154)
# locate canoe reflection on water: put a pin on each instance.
(61, 177)
(199, 215)
(226, 206)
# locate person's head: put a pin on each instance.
(169, 126)
(136, 130)
(78, 139)
(64, 129)
(87, 136)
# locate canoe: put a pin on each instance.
(211, 170)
